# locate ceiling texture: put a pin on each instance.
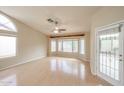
(75, 19)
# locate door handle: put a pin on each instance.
(120, 60)
(120, 55)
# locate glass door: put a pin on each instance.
(110, 55)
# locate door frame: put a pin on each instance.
(97, 46)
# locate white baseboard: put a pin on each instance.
(21, 63)
(93, 73)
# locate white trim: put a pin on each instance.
(109, 25)
(21, 63)
(122, 52)
(10, 20)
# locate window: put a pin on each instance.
(111, 41)
(67, 45)
(6, 24)
(75, 45)
(59, 45)
(82, 46)
(7, 46)
(53, 45)
(7, 38)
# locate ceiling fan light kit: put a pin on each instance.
(56, 28)
(56, 31)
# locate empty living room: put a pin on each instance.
(61, 45)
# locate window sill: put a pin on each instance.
(6, 57)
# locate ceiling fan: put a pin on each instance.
(56, 29)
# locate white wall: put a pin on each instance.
(31, 44)
(104, 16)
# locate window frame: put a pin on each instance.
(77, 45)
(60, 40)
(71, 46)
(4, 33)
(66, 39)
(72, 39)
(80, 46)
(51, 45)
(9, 20)
(9, 33)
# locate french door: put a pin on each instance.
(110, 51)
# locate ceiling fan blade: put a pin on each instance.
(62, 29)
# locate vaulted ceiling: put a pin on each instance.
(75, 19)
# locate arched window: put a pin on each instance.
(7, 37)
(6, 24)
